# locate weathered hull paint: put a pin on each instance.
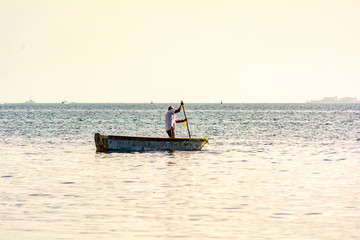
(106, 143)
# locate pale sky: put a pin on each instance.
(167, 50)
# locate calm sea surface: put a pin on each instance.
(271, 171)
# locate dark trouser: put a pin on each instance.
(171, 132)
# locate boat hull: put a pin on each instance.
(106, 143)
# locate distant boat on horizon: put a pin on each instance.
(30, 102)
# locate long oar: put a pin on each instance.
(187, 124)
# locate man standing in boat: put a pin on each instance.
(170, 120)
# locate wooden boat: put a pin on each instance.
(106, 143)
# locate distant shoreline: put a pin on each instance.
(336, 100)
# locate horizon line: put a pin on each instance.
(220, 103)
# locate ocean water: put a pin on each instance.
(270, 171)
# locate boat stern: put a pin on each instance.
(101, 143)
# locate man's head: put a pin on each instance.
(171, 107)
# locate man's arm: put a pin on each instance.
(179, 109)
(179, 121)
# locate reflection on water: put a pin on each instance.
(248, 193)
(285, 186)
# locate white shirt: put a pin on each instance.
(170, 120)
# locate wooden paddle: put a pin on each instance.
(187, 123)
